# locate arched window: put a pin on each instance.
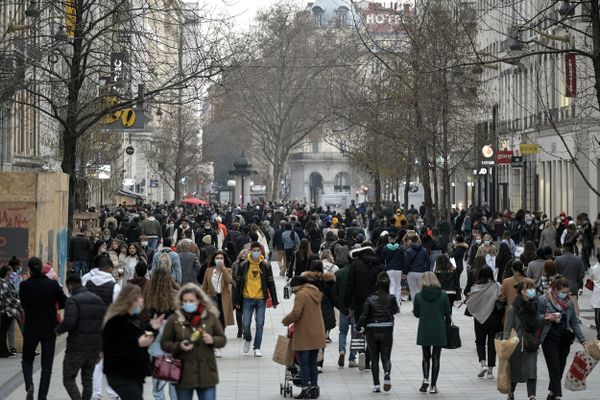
(341, 183)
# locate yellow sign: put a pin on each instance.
(71, 17)
(529, 148)
(112, 117)
(128, 117)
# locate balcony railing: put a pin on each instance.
(319, 156)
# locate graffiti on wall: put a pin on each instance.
(14, 218)
(62, 244)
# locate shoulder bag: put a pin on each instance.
(167, 368)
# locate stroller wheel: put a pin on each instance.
(289, 390)
(281, 389)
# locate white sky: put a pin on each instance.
(243, 11)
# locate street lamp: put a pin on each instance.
(32, 10)
(242, 168)
(566, 8)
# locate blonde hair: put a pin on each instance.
(326, 255)
(200, 294)
(430, 280)
(129, 294)
(160, 292)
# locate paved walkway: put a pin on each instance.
(246, 377)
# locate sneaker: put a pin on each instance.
(376, 389)
(239, 334)
(319, 369)
(484, 371)
(511, 396)
(489, 375)
(327, 339)
(424, 387)
(13, 350)
(433, 389)
(257, 353)
(341, 359)
(246, 347)
(30, 393)
(387, 383)
(352, 364)
(362, 358)
(218, 353)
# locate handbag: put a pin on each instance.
(286, 291)
(531, 342)
(167, 368)
(453, 337)
(589, 284)
(357, 342)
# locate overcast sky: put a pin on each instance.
(243, 10)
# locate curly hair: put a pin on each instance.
(160, 291)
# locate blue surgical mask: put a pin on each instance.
(531, 293)
(256, 255)
(477, 241)
(136, 310)
(562, 295)
(189, 307)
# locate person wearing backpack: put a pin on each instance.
(340, 248)
(101, 282)
(168, 258)
(291, 242)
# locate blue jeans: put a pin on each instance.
(308, 367)
(248, 308)
(158, 390)
(153, 243)
(345, 323)
(80, 267)
(203, 394)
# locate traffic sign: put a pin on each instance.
(129, 150)
(128, 117)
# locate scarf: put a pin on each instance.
(527, 312)
(482, 301)
(558, 303)
(196, 318)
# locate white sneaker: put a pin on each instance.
(246, 347)
(257, 353)
(362, 358)
(489, 375)
(218, 353)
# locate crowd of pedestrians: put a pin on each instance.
(166, 281)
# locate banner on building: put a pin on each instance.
(529, 148)
(570, 75)
(504, 156)
(517, 162)
(117, 71)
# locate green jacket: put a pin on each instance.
(431, 306)
(341, 278)
(199, 364)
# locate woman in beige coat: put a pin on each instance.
(217, 284)
(309, 333)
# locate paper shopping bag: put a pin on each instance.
(283, 351)
(581, 367)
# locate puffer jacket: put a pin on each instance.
(325, 282)
(378, 313)
(84, 313)
(393, 256)
(362, 275)
(416, 259)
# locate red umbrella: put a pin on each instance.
(195, 201)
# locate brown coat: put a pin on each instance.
(309, 329)
(226, 298)
(508, 293)
(199, 364)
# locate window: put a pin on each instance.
(318, 15)
(342, 16)
(315, 146)
(341, 183)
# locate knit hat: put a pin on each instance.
(207, 239)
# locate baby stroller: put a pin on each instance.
(292, 371)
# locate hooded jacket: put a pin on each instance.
(267, 282)
(326, 283)
(102, 284)
(362, 275)
(393, 255)
(431, 306)
(309, 329)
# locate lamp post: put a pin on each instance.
(242, 168)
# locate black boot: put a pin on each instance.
(30, 393)
(304, 394)
(315, 392)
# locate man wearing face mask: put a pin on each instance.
(571, 267)
(84, 312)
(254, 285)
(100, 281)
(206, 230)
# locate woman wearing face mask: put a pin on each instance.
(487, 248)
(475, 244)
(524, 317)
(125, 342)
(561, 327)
(217, 285)
(135, 254)
(508, 292)
(192, 334)
(98, 248)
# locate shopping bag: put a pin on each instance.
(357, 342)
(594, 349)
(269, 302)
(503, 383)
(582, 365)
(167, 368)
(453, 336)
(283, 353)
(505, 348)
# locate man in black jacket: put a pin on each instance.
(40, 297)
(362, 277)
(84, 312)
(79, 252)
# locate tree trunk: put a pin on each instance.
(177, 188)
(422, 155)
(377, 181)
(68, 167)
(406, 189)
(277, 171)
